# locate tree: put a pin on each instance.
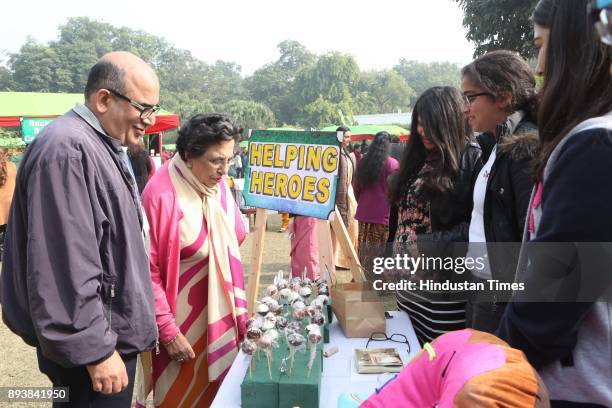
(499, 24)
(185, 104)
(388, 89)
(422, 76)
(325, 89)
(6, 80)
(179, 71)
(37, 68)
(364, 104)
(272, 84)
(251, 115)
(322, 112)
(223, 82)
(334, 77)
(293, 57)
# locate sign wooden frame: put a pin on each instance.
(326, 256)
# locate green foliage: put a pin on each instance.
(364, 104)
(185, 104)
(223, 82)
(388, 89)
(499, 24)
(37, 67)
(6, 80)
(273, 84)
(299, 88)
(9, 133)
(322, 112)
(251, 115)
(332, 77)
(422, 76)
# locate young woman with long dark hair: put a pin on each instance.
(433, 193)
(568, 338)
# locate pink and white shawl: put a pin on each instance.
(226, 299)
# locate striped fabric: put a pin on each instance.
(431, 317)
(211, 301)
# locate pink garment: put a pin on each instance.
(160, 203)
(372, 202)
(537, 200)
(304, 247)
(452, 376)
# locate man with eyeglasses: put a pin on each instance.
(75, 278)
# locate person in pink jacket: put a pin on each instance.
(198, 280)
(371, 186)
(465, 368)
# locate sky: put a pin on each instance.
(377, 33)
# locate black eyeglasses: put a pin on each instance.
(468, 99)
(145, 109)
(396, 337)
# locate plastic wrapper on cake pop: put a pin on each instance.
(267, 342)
(285, 295)
(294, 297)
(311, 311)
(318, 319)
(291, 341)
(317, 304)
(267, 300)
(305, 292)
(272, 291)
(248, 347)
(324, 299)
(255, 321)
(262, 309)
(298, 304)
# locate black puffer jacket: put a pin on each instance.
(450, 213)
(509, 188)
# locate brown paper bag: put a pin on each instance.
(358, 309)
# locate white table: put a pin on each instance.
(339, 374)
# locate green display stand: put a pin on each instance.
(257, 389)
(328, 315)
(299, 389)
(284, 390)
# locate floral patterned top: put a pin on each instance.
(413, 215)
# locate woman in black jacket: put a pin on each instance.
(499, 92)
(433, 193)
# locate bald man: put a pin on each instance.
(75, 278)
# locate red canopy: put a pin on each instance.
(369, 136)
(9, 121)
(17, 105)
(162, 122)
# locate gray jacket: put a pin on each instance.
(75, 279)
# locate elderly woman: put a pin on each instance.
(197, 276)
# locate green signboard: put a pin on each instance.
(30, 127)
